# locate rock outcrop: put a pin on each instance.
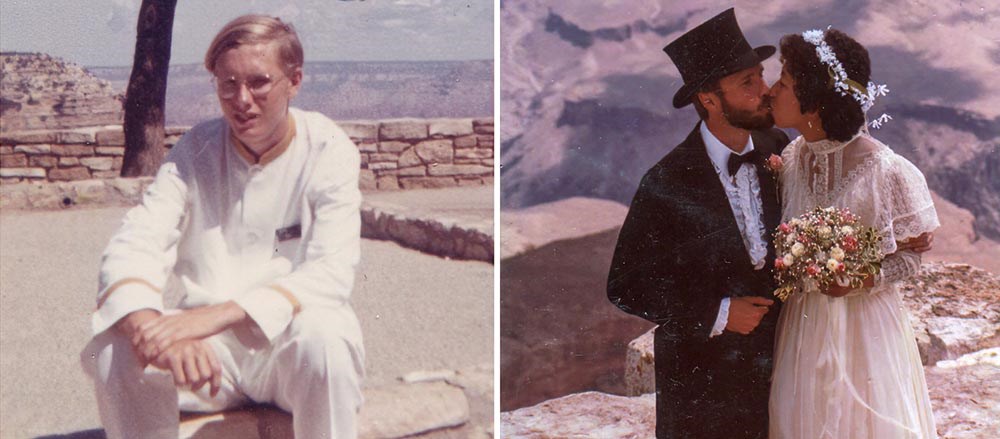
(640, 365)
(533, 227)
(43, 92)
(406, 410)
(583, 415)
(954, 310)
(965, 396)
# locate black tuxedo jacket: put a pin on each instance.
(679, 253)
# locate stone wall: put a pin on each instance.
(395, 154)
(66, 155)
(424, 153)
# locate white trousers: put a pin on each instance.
(313, 370)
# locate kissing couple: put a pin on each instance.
(696, 254)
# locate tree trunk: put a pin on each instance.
(146, 95)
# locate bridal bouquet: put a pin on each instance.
(824, 246)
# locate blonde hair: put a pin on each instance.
(257, 29)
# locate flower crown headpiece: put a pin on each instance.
(865, 95)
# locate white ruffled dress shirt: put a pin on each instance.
(743, 191)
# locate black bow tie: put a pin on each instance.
(735, 161)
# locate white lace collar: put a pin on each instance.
(827, 146)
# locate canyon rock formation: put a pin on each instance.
(38, 91)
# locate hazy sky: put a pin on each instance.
(102, 32)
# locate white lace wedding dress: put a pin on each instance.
(848, 368)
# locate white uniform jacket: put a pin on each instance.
(227, 228)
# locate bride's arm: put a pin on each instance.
(898, 266)
(905, 209)
(895, 267)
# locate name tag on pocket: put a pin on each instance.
(288, 233)
(287, 240)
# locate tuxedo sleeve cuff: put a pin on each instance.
(722, 320)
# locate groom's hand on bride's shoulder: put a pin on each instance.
(919, 244)
(746, 312)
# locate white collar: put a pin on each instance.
(718, 152)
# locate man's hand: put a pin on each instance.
(154, 337)
(129, 327)
(919, 244)
(746, 312)
(192, 363)
(130, 324)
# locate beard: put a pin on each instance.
(760, 119)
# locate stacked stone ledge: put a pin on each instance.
(423, 153)
(395, 154)
(67, 155)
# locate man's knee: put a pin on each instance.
(328, 341)
(110, 355)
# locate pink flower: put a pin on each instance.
(784, 228)
(813, 269)
(774, 163)
(849, 243)
(779, 263)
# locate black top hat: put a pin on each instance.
(712, 50)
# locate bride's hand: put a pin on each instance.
(837, 291)
(919, 244)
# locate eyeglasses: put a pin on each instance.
(258, 85)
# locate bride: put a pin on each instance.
(846, 361)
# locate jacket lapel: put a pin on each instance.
(704, 188)
(769, 195)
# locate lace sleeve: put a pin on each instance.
(904, 208)
(896, 267)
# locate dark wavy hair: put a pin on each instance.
(841, 115)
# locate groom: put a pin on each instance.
(694, 254)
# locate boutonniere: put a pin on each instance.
(774, 164)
